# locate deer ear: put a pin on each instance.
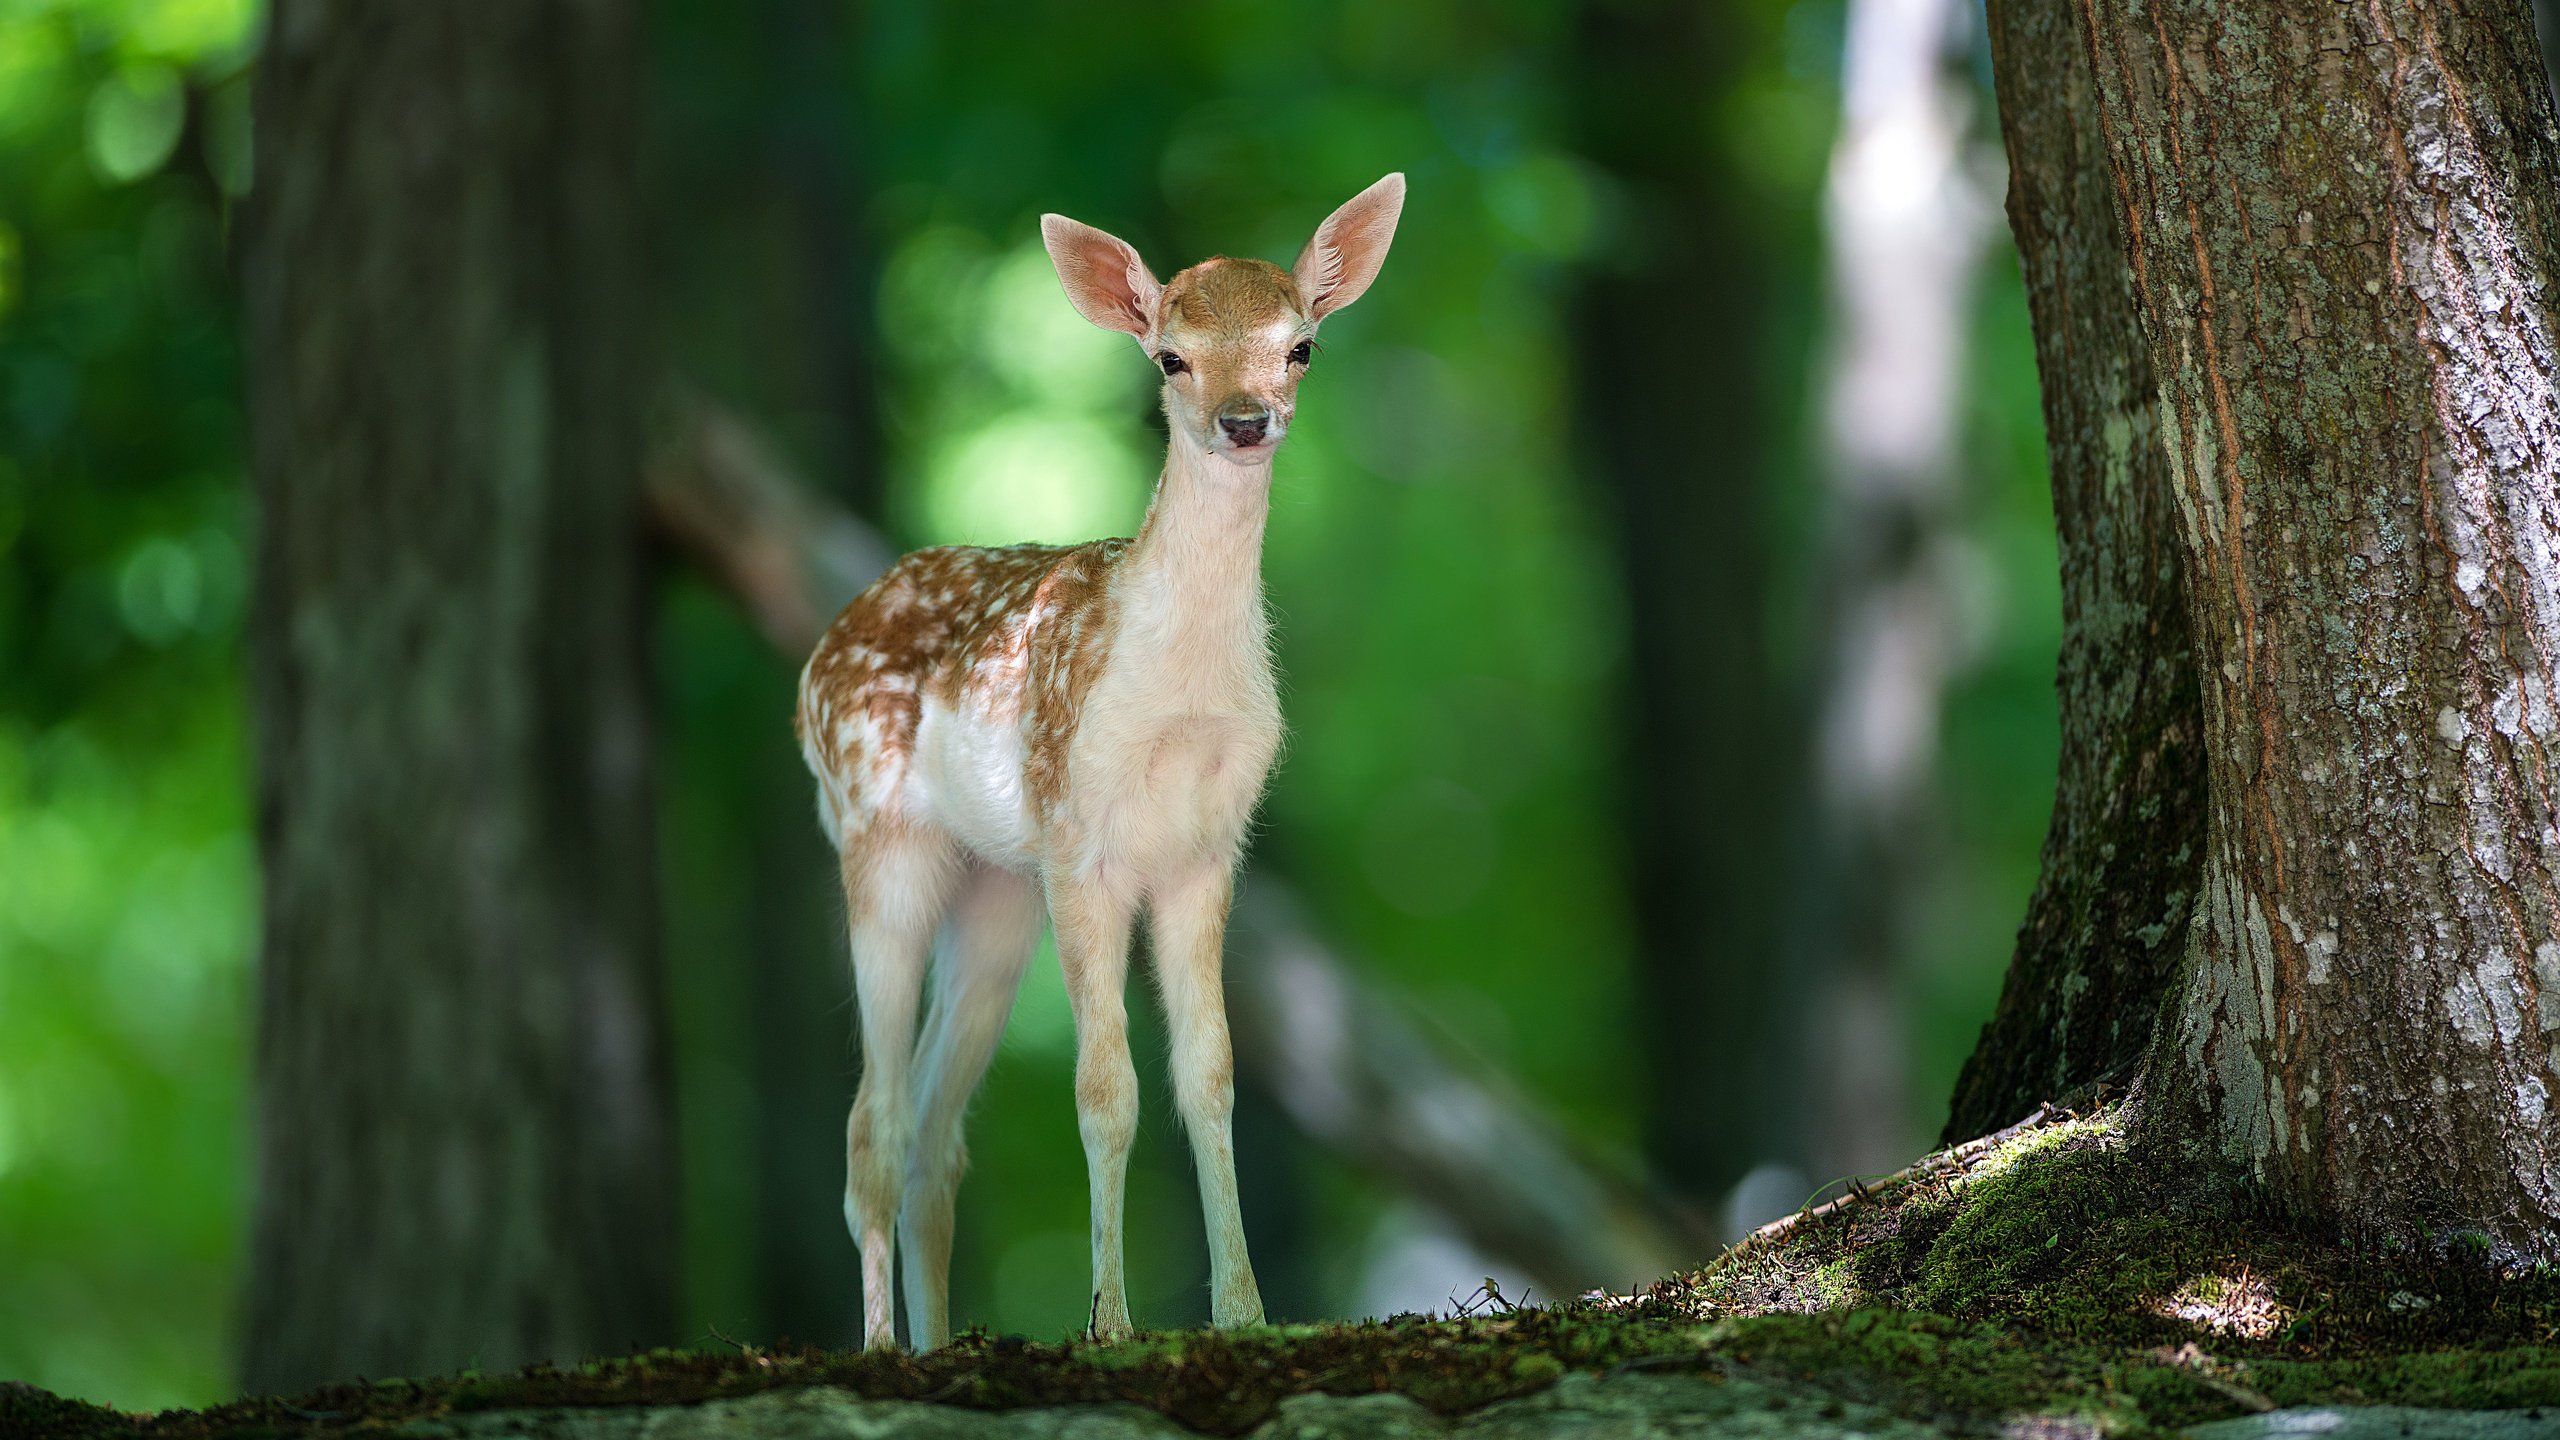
(1348, 248)
(1106, 281)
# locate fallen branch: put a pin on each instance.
(1344, 1060)
(1955, 1159)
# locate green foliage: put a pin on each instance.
(126, 881)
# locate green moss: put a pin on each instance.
(2063, 1274)
(2058, 1236)
(2486, 1379)
(1836, 1281)
(1929, 1365)
(2055, 1276)
(1215, 1382)
(1536, 1369)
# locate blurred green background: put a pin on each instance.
(844, 246)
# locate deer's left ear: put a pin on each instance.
(1348, 248)
(1106, 281)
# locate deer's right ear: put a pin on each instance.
(1106, 281)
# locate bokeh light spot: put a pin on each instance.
(134, 120)
(1032, 477)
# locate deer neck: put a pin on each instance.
(1194, 574)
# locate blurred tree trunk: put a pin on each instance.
(2345, 237)
(463, 1144)
(1676, 409)
(793, 916)
(1906, 233)
(2107, 924)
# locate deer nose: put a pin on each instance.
(1245, 423)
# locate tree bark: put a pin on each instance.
(1671, 339)
(797, 1007)
(2104, 932)
(463, 1138)
(2342, 236)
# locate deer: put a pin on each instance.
(1079, 731)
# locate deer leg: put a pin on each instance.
(1189, 926)
(894, 886)
(993, 926)
(1093, 951)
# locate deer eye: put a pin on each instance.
(1171, 362)
(1302, 352)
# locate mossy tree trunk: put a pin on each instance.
(463, 1137)
(2342, 238)
(2107, 925)
(2338, 246)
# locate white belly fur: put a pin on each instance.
(970, 781)
(1148, 799)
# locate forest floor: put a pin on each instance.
(2043, 1283)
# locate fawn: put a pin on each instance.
(1083, 726)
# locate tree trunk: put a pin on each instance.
(463, 1149)
(2099, 948)
(794, 916)
(2343, 248)
(1675, 406)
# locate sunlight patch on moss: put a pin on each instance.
(2241, 1305)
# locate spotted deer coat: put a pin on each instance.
(961, 692)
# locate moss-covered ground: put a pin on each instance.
(1220, 1383)
(2058, 1274)
(2052, 1275)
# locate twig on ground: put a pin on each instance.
(1929, 1167)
